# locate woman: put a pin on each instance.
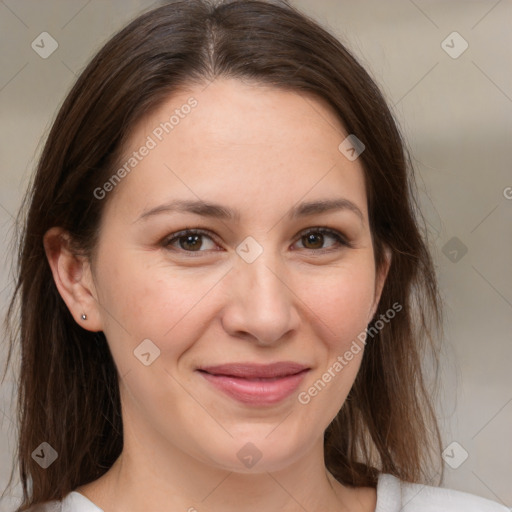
(225, 292)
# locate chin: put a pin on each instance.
(258, 450)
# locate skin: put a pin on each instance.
(258, 150)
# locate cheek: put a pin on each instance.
(144, 301)
(342, 302)
(342, 307)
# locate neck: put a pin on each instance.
(157, 475)
(145, 479)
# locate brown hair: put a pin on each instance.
(68, 382)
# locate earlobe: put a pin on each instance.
(73, 279)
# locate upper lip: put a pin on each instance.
(255, 371)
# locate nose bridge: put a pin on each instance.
(262, 304)
(263, 277)
(259, 269)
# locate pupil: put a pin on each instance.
(311, 238)
(195, 238)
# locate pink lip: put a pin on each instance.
(256, 384)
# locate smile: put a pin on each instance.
(256, 384)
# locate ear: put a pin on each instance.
(380, 279)
(73, 278)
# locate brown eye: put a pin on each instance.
(190, 240)
(315, 238)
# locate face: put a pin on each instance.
(230, 334)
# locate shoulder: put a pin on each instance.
(394, 495)
(72, 502)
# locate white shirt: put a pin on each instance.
(392, 496)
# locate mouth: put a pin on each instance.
(254, 384)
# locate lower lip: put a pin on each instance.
(256, 392)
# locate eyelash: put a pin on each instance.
(340, 239)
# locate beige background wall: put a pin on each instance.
(456, 114)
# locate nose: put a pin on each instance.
(262, 305)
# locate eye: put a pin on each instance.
(314, 239)
(188, 240)
(193, 240)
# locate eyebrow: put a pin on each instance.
(217, 211)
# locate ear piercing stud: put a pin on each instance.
(84, 316)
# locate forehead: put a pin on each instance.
(236, 142)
